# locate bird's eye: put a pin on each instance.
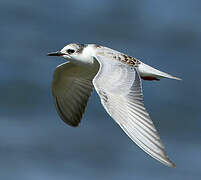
(70, 51)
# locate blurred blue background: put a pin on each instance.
(36, 144)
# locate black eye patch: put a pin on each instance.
(70, 51)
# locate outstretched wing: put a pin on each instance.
(71, 88)
(119, 87)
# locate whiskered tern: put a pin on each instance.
(116, 78)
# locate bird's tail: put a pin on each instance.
(148, 73)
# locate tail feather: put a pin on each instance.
(147, 72)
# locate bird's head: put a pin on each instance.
(70, 52)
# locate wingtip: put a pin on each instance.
(169, 163)
(172, 165)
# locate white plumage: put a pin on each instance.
(117, 79)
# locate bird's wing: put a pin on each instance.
(71, 88)
(120, 90)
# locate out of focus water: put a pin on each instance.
(36, 144)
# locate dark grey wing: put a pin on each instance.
(71, 88)
(119, 87)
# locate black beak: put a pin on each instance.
(58, 53)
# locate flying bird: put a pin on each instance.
(117, 78)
